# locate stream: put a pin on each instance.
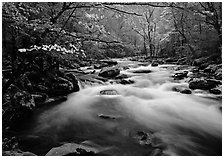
(178, 124)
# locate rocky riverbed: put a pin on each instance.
(120, 107)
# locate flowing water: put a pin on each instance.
(182, 124)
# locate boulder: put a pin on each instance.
(199, 61)
(107, 117)
(109, 72)
(143, 138)
(182, 89)
(60, 89)
(97, 66)
(186, 91)
(214, 82)
(204, 84)
(108, 92)
(195, 70)
(142, 71)
(71, 77)
(180, 75)
(121, 76)
(63, 87)
(215, 91)
(126, 81)
(125, 67)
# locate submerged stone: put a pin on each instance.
(110, 117)
(109, 92)
(142, 71)
(186, 91)
(109, 72)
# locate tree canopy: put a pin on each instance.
(115, 29)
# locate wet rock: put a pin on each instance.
(199, 61)
(125, 67)
(182, 89)
(121, 76)
(97, 66)
(93, 72)
(108, 92)
(100, 65)
(214, 82)
(154, 63)
(142, 71)
(144, 138)
(61, 87)
(109, 72)
(180, 75)
(71, 77)
(126, 82)
(186, 91)
(72, 149)
(108, 117)
(203, 84)
(215, 91)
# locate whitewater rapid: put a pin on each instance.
(184, 123)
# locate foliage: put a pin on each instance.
(179, 28)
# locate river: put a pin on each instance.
(180, 124)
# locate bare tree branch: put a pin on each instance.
(122, 11)
(89, 38)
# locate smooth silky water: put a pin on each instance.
(185, 124)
